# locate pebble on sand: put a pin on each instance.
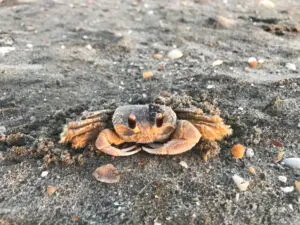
(175, 54)
(253, 62)
(249, 152)
(240, 182)
(291, 66)
(217, 63)
(147, 75)
(44, 173)
(282, 179)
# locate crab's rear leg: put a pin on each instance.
(81, 132)
(185, 137)
(107, 138)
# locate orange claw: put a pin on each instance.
(105, 140)
(185, 137)
(213, 128)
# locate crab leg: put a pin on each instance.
(185, 137)
(105, 140)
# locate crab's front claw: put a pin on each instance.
(107, 138)
(213, 128)
(185, 137)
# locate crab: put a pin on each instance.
(145, 126)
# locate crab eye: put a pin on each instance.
(131, 121)
(159, 120)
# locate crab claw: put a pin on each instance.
(185, 137)
(105, 140)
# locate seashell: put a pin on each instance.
(292, 162)
(240, 182)
(107, 174)
(282, 179)
(175, 54)
(287, 189)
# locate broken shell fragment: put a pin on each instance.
(287, 189)
(240, 182)
(51, 190)
(292, 162)
(107, 174)
(238, 151)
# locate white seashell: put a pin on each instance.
(217, 63)
(240, 182)
(249, 153)
(44, 173)
(184, 164)
(175, 54)
(292, 162)
(287, 189)
(282, 179)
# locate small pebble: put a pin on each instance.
(223, 22)
(291, 66)
(252, 171)
(147, 75)
(44, 173)
(175, 54)
(240, 182)
(249, 152)
(217, 63)
(282, 179)
(252, 62)
(184, 164)
(210, 86)
(287, 189)
(29, 46)
(89, 47)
